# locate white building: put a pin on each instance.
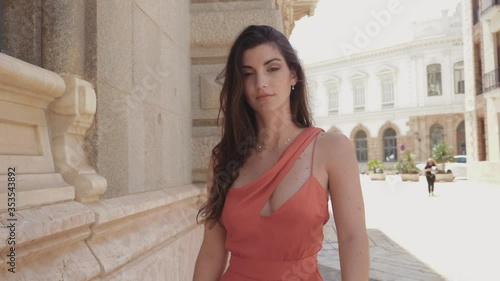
(481, 32)
(404, 97)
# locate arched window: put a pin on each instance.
(461, 147)
(459, 78)
(361, 146)
(390, 146)
(437, 135)
(434, 87)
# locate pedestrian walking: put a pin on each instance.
(430, 174)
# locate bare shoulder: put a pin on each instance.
(335, 149)
(334, 143)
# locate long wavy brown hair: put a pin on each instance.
(239, 127)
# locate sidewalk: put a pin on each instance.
(454, 236)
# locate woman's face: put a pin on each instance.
(268, 79)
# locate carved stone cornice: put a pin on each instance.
(294, 10)
(406, 48)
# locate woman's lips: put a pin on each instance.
(264, 96)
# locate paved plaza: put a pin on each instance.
(453, 236)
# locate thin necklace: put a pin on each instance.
(261, 147)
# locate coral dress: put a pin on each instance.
(284, 244)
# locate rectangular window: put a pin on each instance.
(434, 87)
(387, 88)
(459, 78)
(333, 97)
(359, 94)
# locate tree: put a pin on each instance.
(443, 153)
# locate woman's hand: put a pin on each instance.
(213, 256)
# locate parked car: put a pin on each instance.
(458, 168)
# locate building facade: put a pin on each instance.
(481, 32)
(107, 112)
(406, 97)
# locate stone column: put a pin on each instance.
(22, 31)
(492, 109)
(470, 85)
(63, 44)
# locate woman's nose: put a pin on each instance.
(261, 81)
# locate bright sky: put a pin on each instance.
(336, 23)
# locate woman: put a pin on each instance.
(272, 172)
(430, 174)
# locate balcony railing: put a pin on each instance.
(491, 80)
(488, 4)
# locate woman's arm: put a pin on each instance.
(348, 207)
(212, 258)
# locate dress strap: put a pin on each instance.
(276, 173)
(313, 150)
(294, 153)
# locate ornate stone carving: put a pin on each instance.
(25, 93)
(71, 116)
(294, 10)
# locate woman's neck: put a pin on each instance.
(275, 131)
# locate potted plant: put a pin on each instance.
(443, 153)
(407, 167)
(376, 169)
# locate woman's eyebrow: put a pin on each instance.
(271, 60)
(265, 63)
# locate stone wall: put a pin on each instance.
(481, 107)
(136, 54)
(143, 96)
(53, 223)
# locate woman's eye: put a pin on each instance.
(272, 69)
(247, 74)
